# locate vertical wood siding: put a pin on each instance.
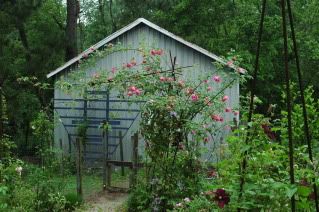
(149, 37)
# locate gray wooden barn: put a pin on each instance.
(69, 111)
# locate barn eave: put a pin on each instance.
(124, 30)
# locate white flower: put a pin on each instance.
(187, 199)
(179, 204)
(19, 170)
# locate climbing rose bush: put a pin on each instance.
(179, 116)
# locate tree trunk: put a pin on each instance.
(101, 9)
(114, 27)
(71, 29)
(1, 114)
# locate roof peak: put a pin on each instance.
(127, 28)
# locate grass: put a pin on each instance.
(92, 180)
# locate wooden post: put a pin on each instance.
(62, 155)
(79, 167)
(109, 174)
(105, 158)
(121, 152)
(70, 145)
(134, 160)
(106, 169)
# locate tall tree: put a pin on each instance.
(73, 8)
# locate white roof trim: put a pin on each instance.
(127, 28)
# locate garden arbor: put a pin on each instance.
(122, 115)
(100, 117)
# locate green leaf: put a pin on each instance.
(304, 191)
(291, 191)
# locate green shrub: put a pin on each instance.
(72, 201)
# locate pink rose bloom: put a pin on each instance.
(189, 91)
(236, 113)
(194, 97)
(156, 52)
(132, 88)
(216, 78)
(85, 56)
(113, 70)
(153, 52)
(217, 118)
(163, 79)
(205, 81)
(138, 92)
(228, 109)
(209, 88)
(129, 65)
(130, 93)
(133, 62)
(181, 83)
(225, 98)
(160, 52)
(170, 79)
(230, 63)
(241, 70)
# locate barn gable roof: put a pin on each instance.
(127, 28)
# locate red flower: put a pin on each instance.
(236, 112)
(212, 173)
(163, 79)
(217, 118)
(156, 52)
(194, 97)
(132, 88)
(225, 98)
(268, 132)
(138, 92)
(221, 197)
(130, 93)
(227, 109)
(216, 78)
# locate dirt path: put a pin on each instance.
(106, 202)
